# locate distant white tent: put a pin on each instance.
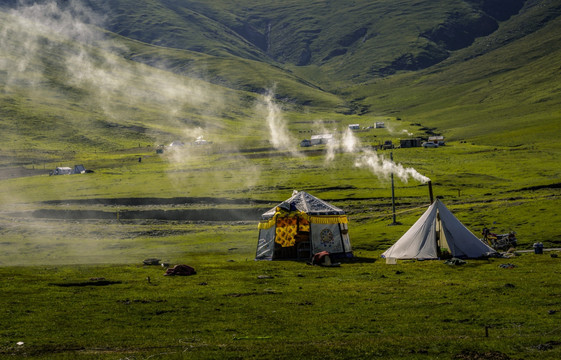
(438, 228)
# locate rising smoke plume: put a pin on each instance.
(392, 130)
(383, 168)
(369, 159)
(407, 132)
(279, 135)
(55, 49)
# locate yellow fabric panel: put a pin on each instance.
(330, 219)
(266, 224)
(289, 223)
(303, 225)
(285, 231)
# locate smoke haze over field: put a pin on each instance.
(59, 64)
(54, 52)
(91, 63)
(59, 46)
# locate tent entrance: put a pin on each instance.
(439, 234)
(292, 238)
(442, 246)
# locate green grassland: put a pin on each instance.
(63, 300)
(237, 308)
(108, 97)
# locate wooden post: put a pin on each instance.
(430, 192)
(393, 194)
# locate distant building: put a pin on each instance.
(321, 139)
(200, 142)
(388, 144)
(64, 170)
(379, 125)
(305, 143)
(61, 170)
(354, 126)
(438, 140)
(409, 143)
(79, 169)
(176, 143)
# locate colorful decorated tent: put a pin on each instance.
(302, 226)
(438, 229)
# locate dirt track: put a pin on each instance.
(166, 209)
(147, 201)
(17, 172)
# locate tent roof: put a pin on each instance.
(306, 203)
(420, 242)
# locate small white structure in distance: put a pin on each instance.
(62, 170)
(176, 143)
(200, 142)
(321, 139)
(438, 140)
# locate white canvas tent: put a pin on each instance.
(302, 226)
(437, 228)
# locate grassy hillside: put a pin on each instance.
(73, 89)
(505, 96)
(107, 87)
(78, 94)
(349, 41)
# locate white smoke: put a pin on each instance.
(81, 57)
(278, 132)
(377, 164)
(392, 130)
(383, 168)
(29, 30)
(73, 21)
(349, 141)
(332, 145)
(331, 149)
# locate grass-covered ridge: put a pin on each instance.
(105, 84)
(70, 89)
(351, 41)
(505, 96)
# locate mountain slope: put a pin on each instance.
(504, 95)
(68, 87)
(161, 69)
(351, 41)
